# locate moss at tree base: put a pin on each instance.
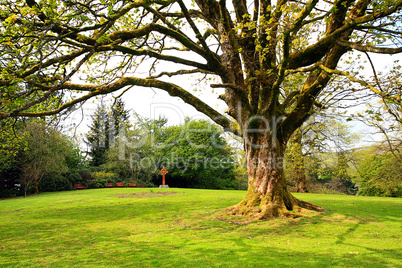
(258, 207)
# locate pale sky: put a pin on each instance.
(151, 103)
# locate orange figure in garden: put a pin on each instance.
(163, 172)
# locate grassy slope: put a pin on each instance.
(98, 228)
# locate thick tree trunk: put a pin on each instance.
(301, 185)
(268, 195)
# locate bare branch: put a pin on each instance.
(172, 89)
(367, 48)
(361, 82)
(180, 72)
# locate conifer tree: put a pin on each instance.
(105, 127)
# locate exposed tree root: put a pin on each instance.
(258, 207)
(262, 212)
(307, 205)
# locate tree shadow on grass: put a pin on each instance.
(246, 254)
(202, 241)
(380, 208)
(184, 250)
(343, 218)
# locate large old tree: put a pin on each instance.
(56, 54)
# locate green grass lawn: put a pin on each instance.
(131, 227)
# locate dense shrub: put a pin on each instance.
(330, 176)
(74, 178)
(98, 183)
(55, 183)
(9, 183)
(7, 193)
(344, 186)
(109, 176)
(148, 179)
(381, 175)
(100, 178)
(86, 176)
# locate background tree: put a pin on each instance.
(75, 163)
(10, 143)
(321, 139)
(380, 174)
(105, 126)
(37, 155)
(337, 176)
(198, 156)
(135, 153)
(295, 163)
(45, 154)
(98, 137)
(119, 115)
(379, 165)
(253, 51)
